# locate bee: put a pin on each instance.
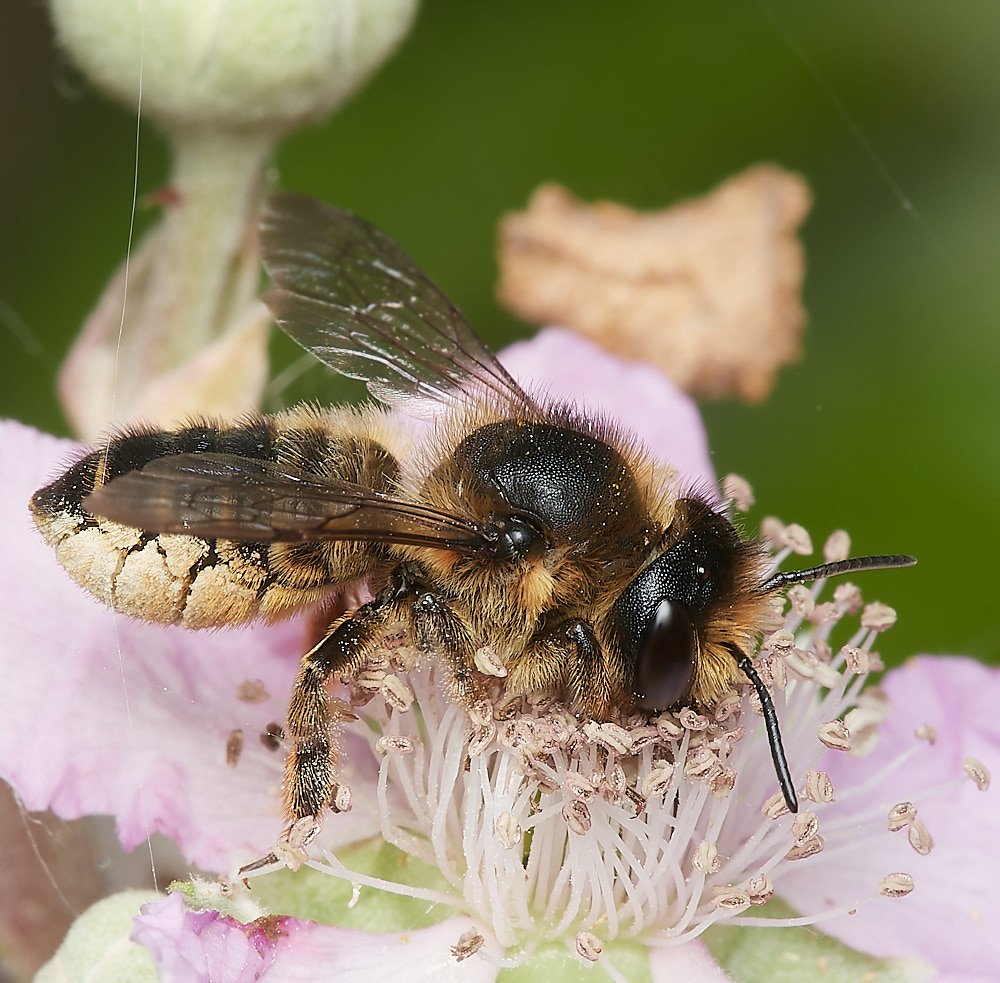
(513, 526)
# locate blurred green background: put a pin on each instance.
(888, 426)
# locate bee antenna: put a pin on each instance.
(771, 725)
(853, 565)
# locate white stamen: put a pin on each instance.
(780, 642)
(760, 889)
(901, 815)
(488, 663)
(837, 546)
(343, 799)
(809, 848)
(589, 946)
(292, 849)
(608, 735)
(658, 781)
(733, 899)
(878, 617)
(728, 707)
(818, 787)
(481, 739)
(775, 807)
(577, 816)
(370, 680)
(856, 659)
(469, 943)
(801, 600)
(847, 597)
(396, 692)
(798, 540)
(804, 827)
(738, 491)
(835, 735)
(920, 837)
(669, 728)
(706, 858)
(508, 830)
(692, 720)
(394, 744)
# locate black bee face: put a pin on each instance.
(660, 614)
(687, 620)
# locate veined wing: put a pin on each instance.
(224, 496)
(353, 297)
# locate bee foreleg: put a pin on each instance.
(567, 655)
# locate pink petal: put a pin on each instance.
(638, 397)
(950, 918)
(206, 947)
(116, 716)
(202, 945)
(191, 947)
(962, 977)
(690, 962)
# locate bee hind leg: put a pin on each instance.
(310, 779)
(310, 766)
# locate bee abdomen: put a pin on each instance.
(61, 502)
(186, 580)
(197, 582)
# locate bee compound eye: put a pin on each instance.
(666, 662)
(518, 538)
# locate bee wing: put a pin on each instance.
(354, 298)
(224, 496)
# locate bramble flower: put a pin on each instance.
(531, 839)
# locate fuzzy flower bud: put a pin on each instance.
(179, 331)
(236, 63)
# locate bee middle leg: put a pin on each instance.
(442, 634)
(568, 655)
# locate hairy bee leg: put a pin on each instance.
(310, 766)
(591, 681)
(442, 633)
(567, 654)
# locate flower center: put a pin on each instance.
(650, 826)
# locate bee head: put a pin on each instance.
(689, 599)
(686, 621)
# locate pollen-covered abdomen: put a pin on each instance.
(198, 582)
